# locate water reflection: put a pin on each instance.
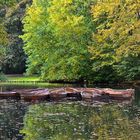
(69, 121)
(114, 122)
(74, 121)
(137, 96)
(11, 119)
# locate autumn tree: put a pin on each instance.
(76, 40)
(116, 46)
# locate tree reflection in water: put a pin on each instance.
(11, 118)
(115, 123)
(74, 121)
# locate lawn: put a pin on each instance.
(22, 78)
(28, 81)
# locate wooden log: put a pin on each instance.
(24, 91)
(9, 94)
(120, 94)
(87, 96)
(42, 94)
(106, 94)
(72, 90)
(57, 94)
(71, 93)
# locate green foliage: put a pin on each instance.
(77, 40)
(3, 36)
(11, 13)
(8, 2)
(2, 77)
(3, 43)
(57, 37)
(116, 42)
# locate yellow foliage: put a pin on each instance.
(120, 29)
(3, 36)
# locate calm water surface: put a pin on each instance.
(70, 120)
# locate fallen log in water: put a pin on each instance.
(58, 94)
(10, 94)
(120, 94)
(87, 94)
(38, 94)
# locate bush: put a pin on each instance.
(2, 77)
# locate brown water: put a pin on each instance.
(69, 120)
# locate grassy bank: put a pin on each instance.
(28, 81)
(22, 78)
(29, 84)
(34, 81)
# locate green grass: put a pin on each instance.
(22, 78)
(28, 81)
(30, 84)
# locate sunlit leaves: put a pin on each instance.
(56, 38)
(65, 39)
(117, 36)
(3, 42)
(3, 35)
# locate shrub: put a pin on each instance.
(2, 77)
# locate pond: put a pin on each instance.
(21, 120)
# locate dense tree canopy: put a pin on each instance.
(57, 35)
(8, 2)
(76, 40)
(11, 14)
(116, 44)
(73, 40)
